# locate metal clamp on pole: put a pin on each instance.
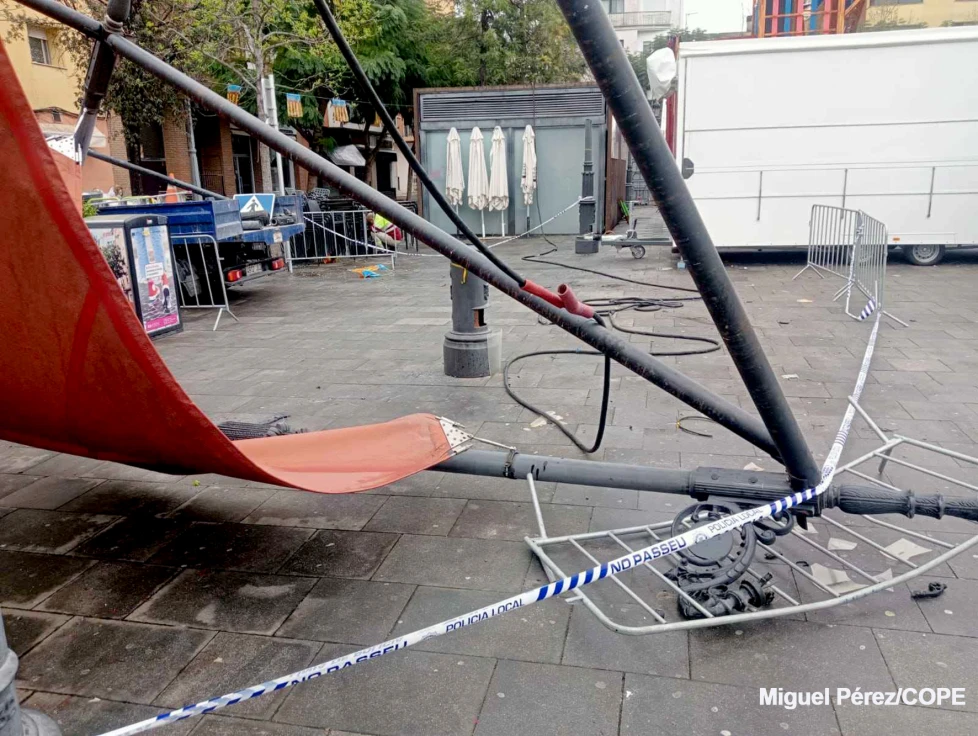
(97, 79)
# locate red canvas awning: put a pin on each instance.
(79, 375)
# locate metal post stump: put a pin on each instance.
(471, 349)
(15, 721)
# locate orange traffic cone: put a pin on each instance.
(172, 194)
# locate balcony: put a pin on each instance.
(656, 19)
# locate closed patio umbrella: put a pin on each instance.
(454, 177)
(528, 181)
(478, 180)
(498, 181)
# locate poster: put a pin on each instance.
(112, 242)
(153, 267)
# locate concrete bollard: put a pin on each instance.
(15, 721)
(471, 349)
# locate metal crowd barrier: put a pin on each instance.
(336, 234)
(333, 234)
(853, 246)
(201, 278)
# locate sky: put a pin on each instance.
(716, 16)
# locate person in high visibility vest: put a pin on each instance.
(386, 233)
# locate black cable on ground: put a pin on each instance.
(608, 308)
(605, 396)
(537, 259)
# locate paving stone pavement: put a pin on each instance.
(127, 591)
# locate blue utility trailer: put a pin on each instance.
(243, 254)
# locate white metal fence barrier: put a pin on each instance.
(336, 234)
(853, 246)
(200, 275)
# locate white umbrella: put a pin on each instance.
(498, 181)
(454, 178)
(478, 181)
(528, 182)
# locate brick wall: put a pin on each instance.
(301, 175)
(227, 159)
(175, 146)
(117, 149)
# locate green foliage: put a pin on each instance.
(401, 44)
(499, 42)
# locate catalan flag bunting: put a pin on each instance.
(341, 112)
(293, 103)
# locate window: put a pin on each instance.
(616, 7)
(40, 49)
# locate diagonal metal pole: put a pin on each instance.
(611, 69)
(587, 330)
(361, 76)
(155, 174)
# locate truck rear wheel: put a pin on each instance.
(924, 254)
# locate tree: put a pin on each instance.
(498, 42)
(237, 41)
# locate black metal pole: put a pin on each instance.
(351, 59)
(670, 380)
(752, 487)
(614, 74)
(156, 175)
(568, 470)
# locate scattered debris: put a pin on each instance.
(887, 574)
(904, 549)
(838, 581)
(370, 272)
(836, 545)
(538, 422)
(789, 376)
(556, 416)
(254, 430)
(753, 466)
(693, 418)
(934, 590)
(804, 301)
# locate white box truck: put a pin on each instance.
(882, 122)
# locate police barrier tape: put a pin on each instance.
(569, 207)
(608, 569)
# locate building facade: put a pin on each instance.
(920, 13)
(638, 22)
(52, 83)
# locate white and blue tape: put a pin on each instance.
(609, 569)
(868, 310)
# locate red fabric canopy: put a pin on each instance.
(79, 375)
